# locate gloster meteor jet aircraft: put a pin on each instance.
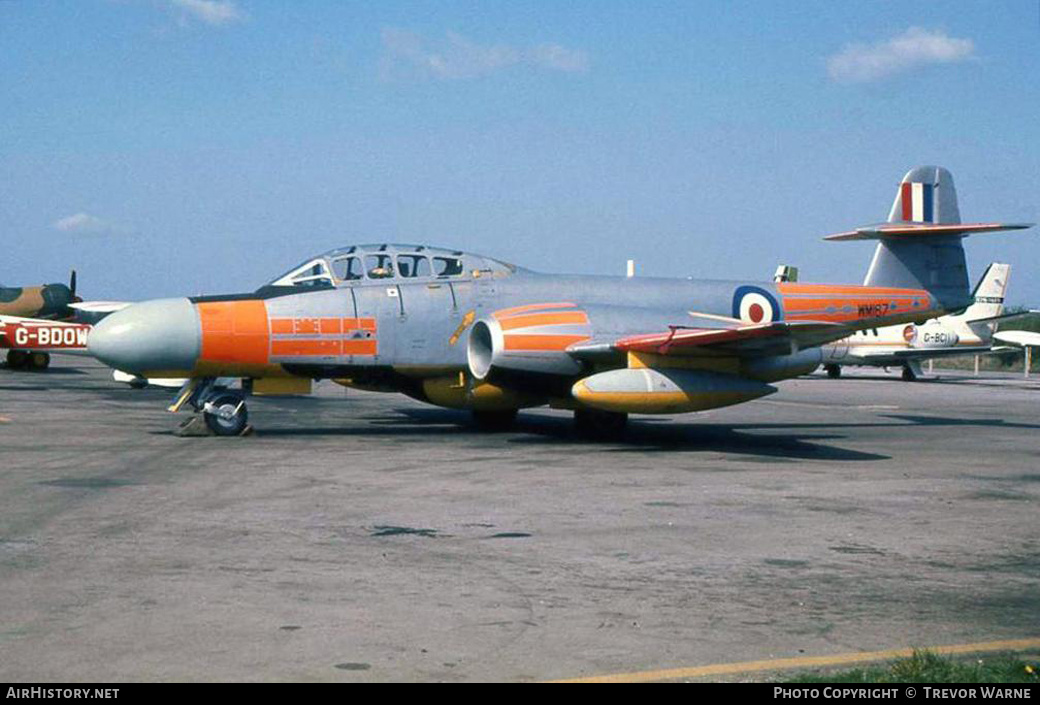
(470, 332)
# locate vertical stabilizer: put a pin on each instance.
(981, 317)
(920, 247)
(989, 294)
(926, 195)
(930, 261)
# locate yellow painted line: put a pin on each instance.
(782, 664)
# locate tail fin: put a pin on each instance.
(926, 195)
(920, 246)
(989, 294)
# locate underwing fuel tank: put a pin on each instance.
(665, 391)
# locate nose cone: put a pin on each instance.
(161, 336)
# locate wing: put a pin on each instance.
(94, 311)
(738, 340)
(1005, 316)
(1018, 337)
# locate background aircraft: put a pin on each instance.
(48, 302)
(967, 333)
(466, 331)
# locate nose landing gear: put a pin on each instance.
(219, 411)
(226, 414)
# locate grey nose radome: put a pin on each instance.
(160, 336)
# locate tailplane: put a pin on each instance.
(920, 246)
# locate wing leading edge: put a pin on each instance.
(742, 341)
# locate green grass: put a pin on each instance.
(927, 667)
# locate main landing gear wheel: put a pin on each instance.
(833, 371)
(226, 414)
(494, 421)
(600, 425)
(908, 375)
(17, 359)
(39, 361)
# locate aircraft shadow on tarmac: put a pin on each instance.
(795, 441)
(44, 373)
(642, 436)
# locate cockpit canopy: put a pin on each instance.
(390, 263)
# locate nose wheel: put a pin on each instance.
(226, 414)
(219, 411)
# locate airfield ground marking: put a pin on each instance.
(783, 664)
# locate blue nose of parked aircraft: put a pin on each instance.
(161, 336)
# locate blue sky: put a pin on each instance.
(168, 147)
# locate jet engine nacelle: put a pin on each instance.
(665, 391)
(491, 349)
(778, 367)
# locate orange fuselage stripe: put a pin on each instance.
(543, 343)
(516, 310)
(234, 331)
(796, 305)
(313, 326)
(544, 319)
(787, 289)
(292, 347)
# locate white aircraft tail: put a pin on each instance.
(989, 294)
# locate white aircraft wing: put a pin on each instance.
(1018, 337)
(94, 311)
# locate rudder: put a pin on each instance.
(920, 247)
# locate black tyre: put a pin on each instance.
(833, 371)
(908, 375)
(39, 361)
(17, 359)
(600, 425)
(226, 414)
(494, 421)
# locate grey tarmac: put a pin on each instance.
(358, 536)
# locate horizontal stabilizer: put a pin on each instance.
(900, 230)
(1018, 337)
(1006, 316)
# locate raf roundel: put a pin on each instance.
(754, 305)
